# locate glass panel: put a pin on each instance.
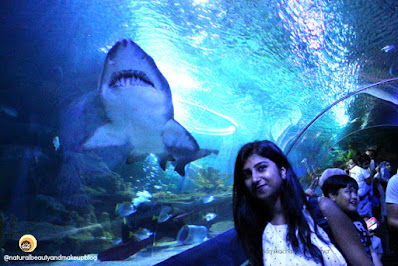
(372, 113)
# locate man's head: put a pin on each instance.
(387, 165)
(361, 160)
(371, 152)
(343, 190)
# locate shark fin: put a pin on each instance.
(176, 137)
(180, 167)
(182, 146)
(190, 157)
(163, 158)
(105, 136)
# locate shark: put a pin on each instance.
(128, 117)
(137, 103)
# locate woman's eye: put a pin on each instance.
(261, 168)
(246, 174)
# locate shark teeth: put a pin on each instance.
(130, 78)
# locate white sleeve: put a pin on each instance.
(365, 173)
(392, 190)
(363, 188)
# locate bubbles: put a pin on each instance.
(151, 167)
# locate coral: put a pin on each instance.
(104, 218)
(164, 195)
(345, 156)
(7, 227)
(209, 179)
(76, 218)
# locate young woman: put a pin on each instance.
(271, 217)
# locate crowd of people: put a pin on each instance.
(278, 223)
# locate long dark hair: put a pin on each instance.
(251, 215)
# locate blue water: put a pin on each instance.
(238, 71)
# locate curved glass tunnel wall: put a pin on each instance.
(372, 123)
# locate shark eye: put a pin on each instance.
(131, 75)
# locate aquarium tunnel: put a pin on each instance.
(120, 121)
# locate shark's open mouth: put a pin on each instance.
(130, 77)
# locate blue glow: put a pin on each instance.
(238, 71)
(199, 123)
(200, 1)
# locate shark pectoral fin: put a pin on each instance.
(176, 137)
(182, 146)
(105, 136)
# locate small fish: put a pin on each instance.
(116, 241)
(210, 216)
(143, 233)
(163, 217)
(181, 216)
(56, 143)
(388, 48)
(157, 187)
(208, 199)
(8, 110)
(164, 214)
(125, 209)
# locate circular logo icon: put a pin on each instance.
(27, 243)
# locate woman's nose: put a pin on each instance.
(255, 176)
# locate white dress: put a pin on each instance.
(277, 252)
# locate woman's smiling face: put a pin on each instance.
(263, 178)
